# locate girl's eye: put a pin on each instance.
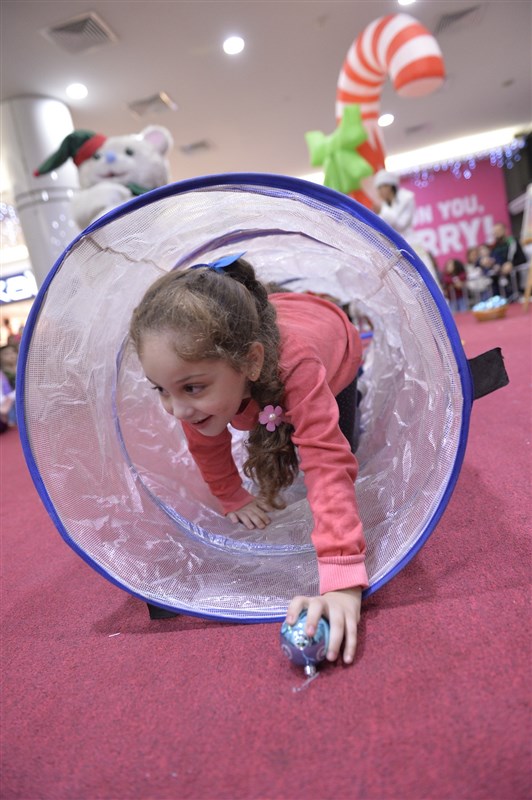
(193, 388)
(159, 389)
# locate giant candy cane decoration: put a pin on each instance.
(397, 46)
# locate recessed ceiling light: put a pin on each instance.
(233, 45)
(385, 120)
(77, 91)
(406, 2)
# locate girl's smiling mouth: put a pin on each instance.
(201, 422)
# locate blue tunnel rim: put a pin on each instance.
(268, 181)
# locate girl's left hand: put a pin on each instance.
(253, 515)
(342, 609)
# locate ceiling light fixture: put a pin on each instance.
(406, 2)
(77, 91)
(385, 120)
(233, 45)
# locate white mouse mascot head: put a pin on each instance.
(112, 170)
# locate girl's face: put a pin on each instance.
(206, 394)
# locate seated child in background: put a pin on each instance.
(507, 254)
(485, 260)
(477, 282)
(454, 284)
(219, 350)
(499, 281)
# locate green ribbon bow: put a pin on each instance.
(344, 168)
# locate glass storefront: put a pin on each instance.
(18, 287)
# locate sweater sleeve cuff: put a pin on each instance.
(342, 572)
(236, 501)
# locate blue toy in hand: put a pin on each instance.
(307, 651)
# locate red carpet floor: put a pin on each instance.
(100, 703)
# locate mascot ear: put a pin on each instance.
(160, 138)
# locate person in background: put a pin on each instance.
(472, 256)
(8, 362)
(7, 404)
(454, 281)
(397, 207)
(6, 330)
(484, 259)
(507, 255)
(8, 372)
(11, 337)
(478, 283)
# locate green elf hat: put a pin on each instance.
(78, 145)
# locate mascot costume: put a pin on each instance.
(112, 169)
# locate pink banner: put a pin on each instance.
(454, 214)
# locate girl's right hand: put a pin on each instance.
(252, 515)
(342, 609)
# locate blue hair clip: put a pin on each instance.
(221, 263)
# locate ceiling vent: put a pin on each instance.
(193, 148)
(448, 23)
(80, 34)
(155, 104)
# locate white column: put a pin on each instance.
(32, 128)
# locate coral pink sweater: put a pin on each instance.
(320, 355)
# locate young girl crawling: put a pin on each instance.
(220, 350)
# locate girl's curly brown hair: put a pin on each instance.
(220, 315)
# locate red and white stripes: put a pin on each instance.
(396, 46)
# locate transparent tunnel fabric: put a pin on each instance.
(113, 468)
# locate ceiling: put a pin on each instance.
(253, 109)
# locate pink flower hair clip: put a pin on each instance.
(271, 417)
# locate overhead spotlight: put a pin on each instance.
(406, 2)
(385, 120)
(77, 91)
(233, 45)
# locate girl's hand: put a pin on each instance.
(252, 515)
(342, 609)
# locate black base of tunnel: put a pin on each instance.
(488, 372)
(160, 613)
